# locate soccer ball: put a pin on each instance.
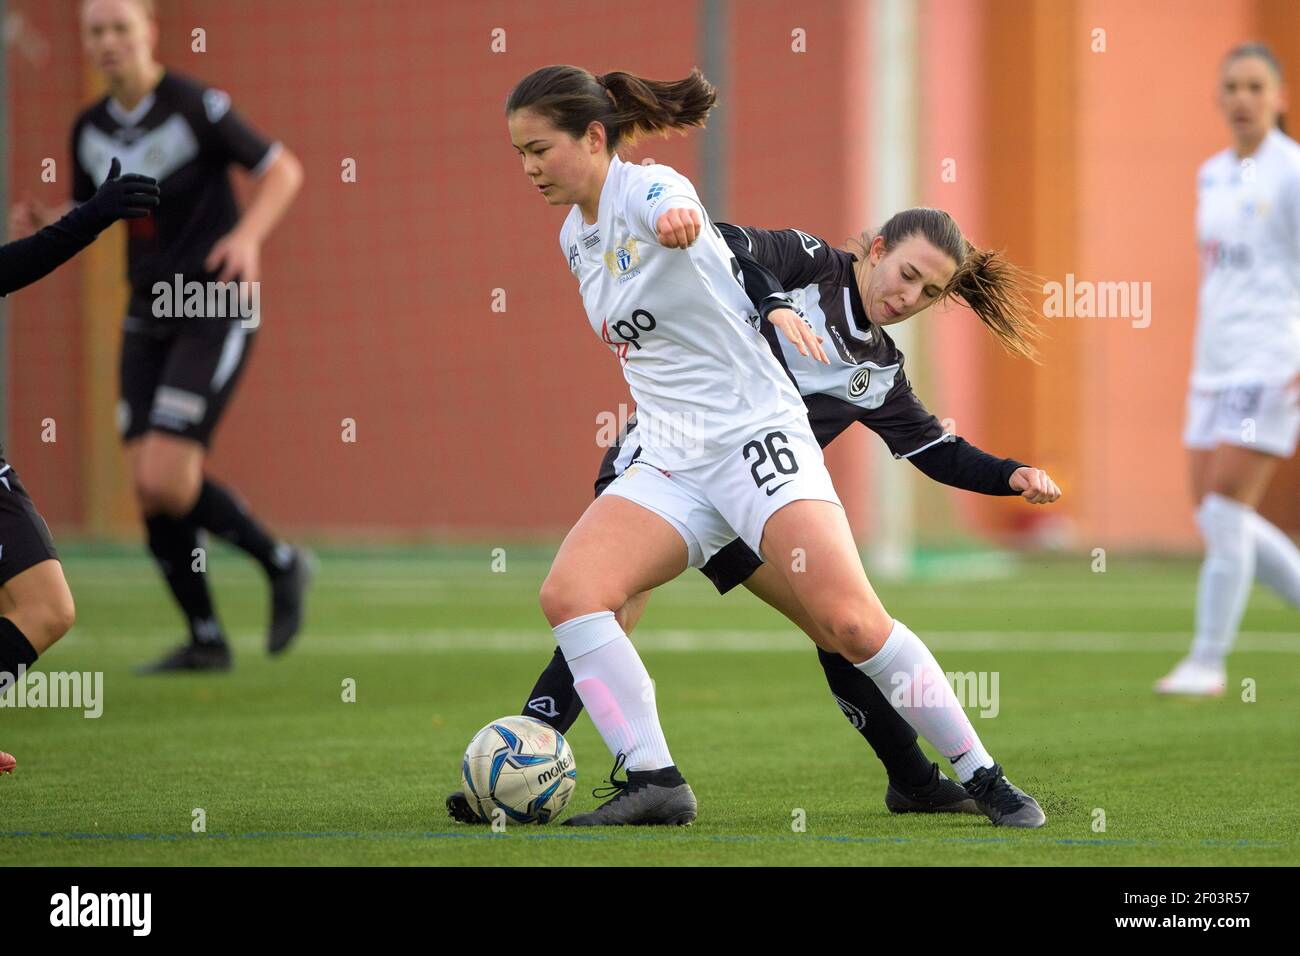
(521, 766)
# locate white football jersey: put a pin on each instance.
(703, 378)
(1248, 232)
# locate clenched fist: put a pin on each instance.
(1035, 485)
(677, 228)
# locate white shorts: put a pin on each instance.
(1261, 417)
(712, 505)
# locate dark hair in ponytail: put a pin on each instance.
(994, 287)
(1260, 51)
(628, 106)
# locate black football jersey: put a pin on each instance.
(864, 381)
(186, 136)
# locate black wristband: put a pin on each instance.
(777, 300)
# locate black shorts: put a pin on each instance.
(177, 376)
(730, 566)
(24, 536)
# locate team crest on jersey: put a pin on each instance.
(624, 260)
(859, 382)
(1254, 208)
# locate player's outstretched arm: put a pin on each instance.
(911, 431)
(120, 197)
(957, 463)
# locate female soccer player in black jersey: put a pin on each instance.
(182, 355)
(36, 606)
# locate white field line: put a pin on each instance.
(1090, 585)
(414, 594)
(540, 641)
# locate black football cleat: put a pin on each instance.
(937, 795)
(645, 798)
(458, 809)
(191, 657)
(288, 588)
(1002, 801)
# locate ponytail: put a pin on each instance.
(628, 106)
(654, 107)
(996, 290)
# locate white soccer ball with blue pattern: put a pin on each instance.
(518, 769)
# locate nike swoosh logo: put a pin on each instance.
(772, 491)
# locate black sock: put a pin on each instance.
(553, 699)
(15, 649)
(217, 510)
(172, 541)
(663, 777)
(890, 736)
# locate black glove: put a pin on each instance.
(121, 197)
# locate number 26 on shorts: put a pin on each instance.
(773, 447)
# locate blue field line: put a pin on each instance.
(571, 836)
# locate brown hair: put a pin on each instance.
(994, 287)
(1261, 52)
(628, 106)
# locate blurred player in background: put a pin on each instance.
(35, 601)
(1243, 408)
(179, 373)
(862, 381)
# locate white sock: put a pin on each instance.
(615, 688)
(914, 683)
(1226, 575)
(1277, 560)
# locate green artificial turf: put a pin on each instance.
(438, 644)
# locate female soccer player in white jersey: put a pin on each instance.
(725, 441)
(1243, 408)
(178, 373)
(864, 381)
